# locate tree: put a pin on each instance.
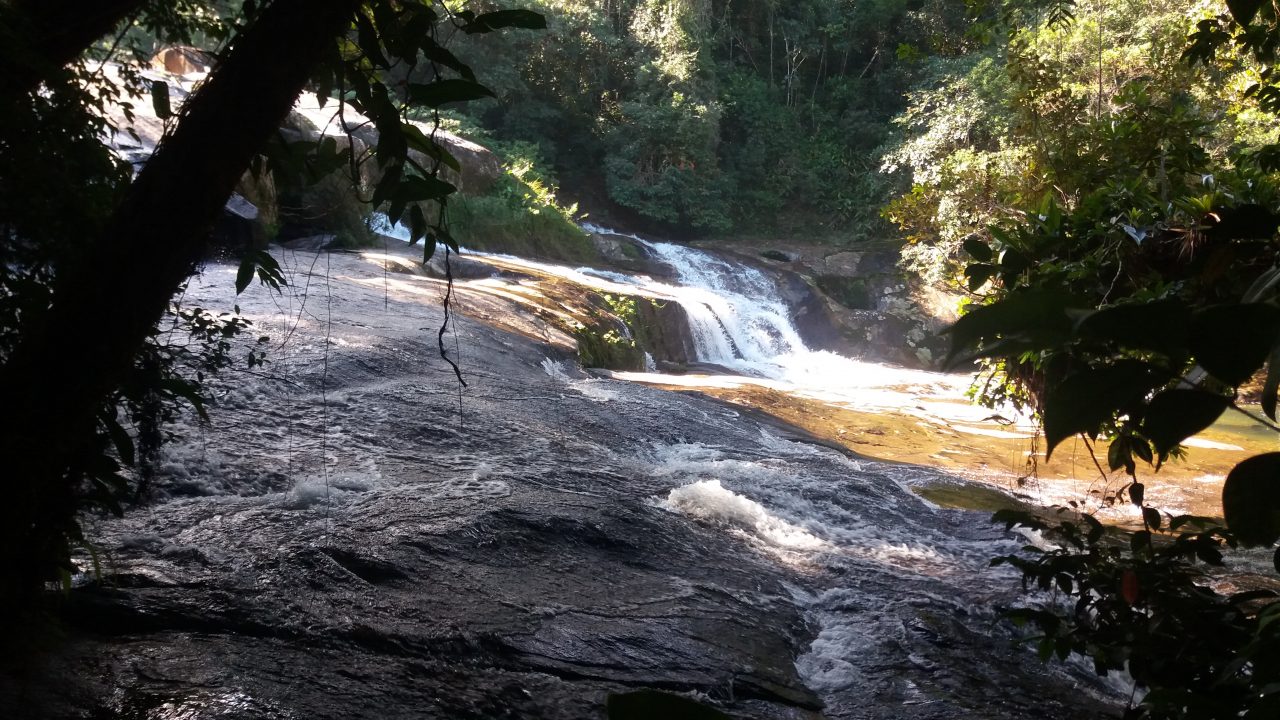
(1132, 303)
(108, 295)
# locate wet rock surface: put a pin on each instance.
(357, 535)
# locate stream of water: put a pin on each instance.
(898, 588)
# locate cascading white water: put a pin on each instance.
(735, 313)
(738, 321)
(738, 315)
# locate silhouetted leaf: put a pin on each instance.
(488, 22)
(1251, 499)
(1160, 326)
(979, 250)
(1082, 402)
(160, 99)
(1272, 384)
(978, 274)
(1136, 493)
(655, 704)
(435, 94)
(244, 275)
(1232, 341)
(1243, 10)
(1175, 415)
(1151, 517)
(1036, 318)
(1119, 455)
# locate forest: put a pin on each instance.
(1097, 182)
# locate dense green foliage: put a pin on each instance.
(521, 214)
(1121, 238)
(711, 116)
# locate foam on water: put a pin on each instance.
(709, 500)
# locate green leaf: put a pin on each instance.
(1083, 402)
(654, 704)
(1175, 415)
(1232, 342)
(423, 143)
(440, 92)
(979, 250)
(488, 22)
(437, 53)
(1251, 499)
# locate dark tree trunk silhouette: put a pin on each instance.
(105, 305)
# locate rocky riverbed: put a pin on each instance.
(357, 534)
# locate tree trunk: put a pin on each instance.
(105, 306)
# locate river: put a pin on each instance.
(357, 534)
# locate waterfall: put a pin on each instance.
(735, 313)
(734, 310)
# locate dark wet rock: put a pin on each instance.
(662, 330)
(239, 226)
(310, 243)
(356, 535)
(625, 253)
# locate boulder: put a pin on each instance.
(662, 330)
(239, 226)
(183, 60)
(480, 167)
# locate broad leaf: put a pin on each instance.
(440, 92)
(1272, 384)
(1232, 341)
(1175, 415)
(978, 274)
(1251, 499)
(160, 99)
(1244, 10)
(244, 275)
(1035, 319)
(1083, 402)
(978, 249)
(491, 21)
(1160, 326)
